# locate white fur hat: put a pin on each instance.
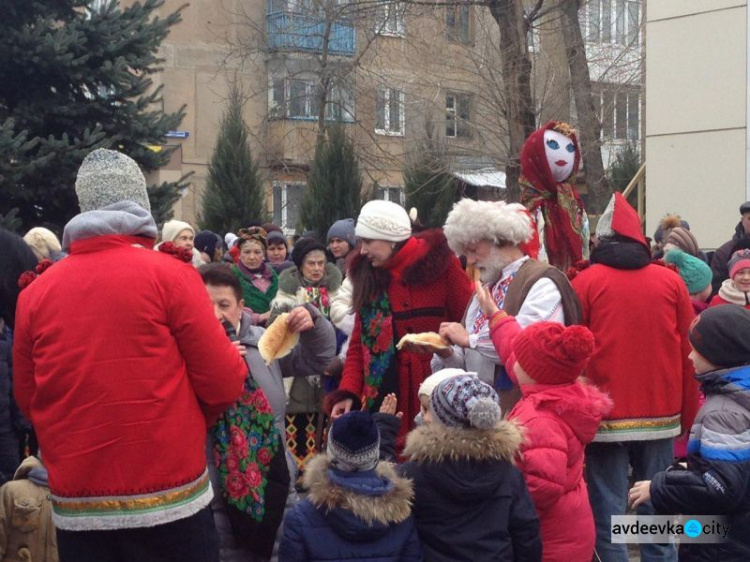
(471, 221)
(43, 242)
(172, 228)
(383, 220)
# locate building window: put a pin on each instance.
(457, 115)
(298, 98)
(532, 39)
(389, 111)
(395, 194)
(389, 18)
(458, 23)
(612, 21)
(620, 113)
(287, 200)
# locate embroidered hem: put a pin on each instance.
(106, 513)
(638, 429)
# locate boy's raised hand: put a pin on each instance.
(390, 402)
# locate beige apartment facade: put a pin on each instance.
(696, 127)
(393, 74)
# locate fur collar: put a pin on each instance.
(437, 443)
(290, 279)
(431, 263)
(393, 507)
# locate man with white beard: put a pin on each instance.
(499, 241)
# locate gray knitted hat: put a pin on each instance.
(465, 402)
(354, 442)
(107, 177)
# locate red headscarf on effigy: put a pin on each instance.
(559, 202)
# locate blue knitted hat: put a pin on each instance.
(354, 442)
(343, 229)
(694, 271)
(466, 402)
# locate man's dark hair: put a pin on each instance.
(15, 258)
(220, 275)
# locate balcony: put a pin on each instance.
(292, 31)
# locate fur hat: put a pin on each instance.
(745, 208)
(684, 240)
(471, 221)
(550, 353)
(354, 442)
(43, 242)
(343, 229)
(666, 224)
(172, 229)
(721, 334)
(739, 260)
(620, 218)
(303, 247)
(431, 382)
(106, 177)
(694, 271)
(383, 220)
(464, 401)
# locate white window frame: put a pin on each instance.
(389, 18)
(454, 34)
(452, 114)
(283, 186)
(384, 94)
(627, 24)
(613, 109)
(386, 191)
(283, 110)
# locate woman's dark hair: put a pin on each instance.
(15, 258)
(220, 275)
(367, 281)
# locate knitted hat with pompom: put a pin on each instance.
(466, 402)
(550, 353)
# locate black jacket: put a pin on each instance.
(471, 504)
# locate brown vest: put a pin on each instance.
(531, 272)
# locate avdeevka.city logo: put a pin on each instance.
(693, 528)
(668, 528)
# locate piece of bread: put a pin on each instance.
(473, 273)
(425, 338)
(277, 341)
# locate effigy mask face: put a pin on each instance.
(561, 154)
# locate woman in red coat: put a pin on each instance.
(402, 284)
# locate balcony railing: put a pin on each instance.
(290, 31)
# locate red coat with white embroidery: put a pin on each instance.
(426, 287)
(120, 364)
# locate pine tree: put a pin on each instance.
(234, 191)
(429, 185)
(71, 80)
(334, 183)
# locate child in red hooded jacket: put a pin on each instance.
(561, 415)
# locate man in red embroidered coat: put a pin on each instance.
(120, 365)
(402, 284)
(640, 313)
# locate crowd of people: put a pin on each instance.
(139, 420)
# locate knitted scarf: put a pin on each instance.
(255, 299)
(379, 349)
(245, 441)
(730, 293)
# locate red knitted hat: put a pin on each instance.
(550, 353)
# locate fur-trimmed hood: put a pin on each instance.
(437, 443)
(377, 498)
(431, 258)
(290, 279)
